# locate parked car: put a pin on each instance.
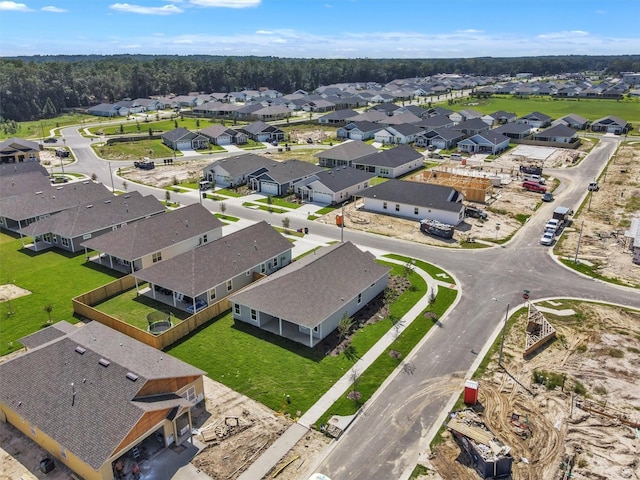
(474, 212)
(552, 226)
(534, 187)
(547, 239)
(547, 197)
(534, 178)
(455, 156)
(435, 155)
(431, 148)
(594, 187)
(50, 140)
(274, 143)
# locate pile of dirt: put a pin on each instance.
(595, 358)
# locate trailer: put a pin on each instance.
(563, 214)
(436, 228)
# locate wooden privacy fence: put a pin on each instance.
(83, 306)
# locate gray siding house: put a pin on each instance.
(305, 301)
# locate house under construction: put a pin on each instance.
(539, 331)
(474, 189)
(490, 458)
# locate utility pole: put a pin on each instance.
(342, 223)
(64, 140)
(111, 174)
(575, 260)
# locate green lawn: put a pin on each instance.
(153, 149)
(264, 208)
(53, 277)
(267, 367)
(42, 128)
(279, 202)
(134, 309)
(628, 109)
(136, 126)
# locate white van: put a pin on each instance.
(455, 156)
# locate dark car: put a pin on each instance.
(475, 213)
(547, 197)
(50, 140)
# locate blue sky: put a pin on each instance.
(321, 28)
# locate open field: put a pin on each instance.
(628, 109)
(595, 360)
(38, 129)
(138, 150)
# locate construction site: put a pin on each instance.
(564, 403)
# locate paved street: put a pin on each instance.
(396, 426)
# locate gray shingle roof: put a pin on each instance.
(199, 270)
(178, 134)
(38, 386)
(93, 217)
(340, 114)
(290, 170)
(366, 127)
(349, 150)
(11, 145)
(293, 293)
(52, 200)
(155, 233)
(341, 178)
(414, 193)
(259, 127)
(242, 164)
(23, 177)
(513, 128)
(394, 157)
(559, 130)
(434, 121)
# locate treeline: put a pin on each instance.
(42, 86)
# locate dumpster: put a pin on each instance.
(306, 230)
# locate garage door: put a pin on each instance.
(269, 188)
(323, 198)
(184, 145)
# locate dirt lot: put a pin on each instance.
(597, 348)
(612, 208)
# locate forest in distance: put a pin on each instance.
(38, 87)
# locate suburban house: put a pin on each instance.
(68, 377)
(516, 131)
(278, 178)
(337, 117)
(488, 142)
(611, 124)
(370, 116)
(182, 139)
(319, 105)
(462, 115)
(535, 120)
(19, 178)
(194, 279)
(18, 211)
(17, 150)
(472, 127)
(401, 118)
(574, 121)
(443, 138)
(149, 104)
(220, 135)
(436, 121)
(107, 110)
(344, 154)
(233, 171)
(415, 201)
(557, 134)
(140, 244)
(358, 130)
(387, 108)
(263, 132)
(499, 118)
(68, 229)
(398, 134)
(333, 186)
(391, 163)
(273, 112)
(335, 282)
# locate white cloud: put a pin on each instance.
(53, 9)
(565, 34)
(15, 7)
(128, 8)
(264, 32)
(226, 3)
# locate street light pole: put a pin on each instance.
(111, 175)
(64, 140)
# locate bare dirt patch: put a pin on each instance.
(597, 353)
(607, 217)
(9, 291)
(166, 175)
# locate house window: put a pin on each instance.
(205, 238)
(415, 211)
(275, 262)
(114, 228)
(156, 257)
(55, 238)
(397, 207)
(384, 205)
(263, 268)
(63, 452)
(248, 272)
(65, 242)
(190, 394)
(236, 309)
(359, 298)
(212, 294)
(47, 237)
(229, 285)
(384, 171)
(254, 314)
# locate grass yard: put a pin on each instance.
(53, 277)
(42, 128)
(628, 109)
(134, 309)
(279, 202)
(264, 208)
(267, 367)
(136, 126)
(153, 149)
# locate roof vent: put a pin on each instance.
(104, 362)
(80, 350)
(38, 193)
(89, 206)
(107, 201)
(132, 376)
(127, 196)
(59, 188)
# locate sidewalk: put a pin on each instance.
(286, 442)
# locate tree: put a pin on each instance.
(407, 268)
(344, 326)
(167, 196)
(223, 207)
(125, 185)
(285, 224)
(94, 177)
(270, 203)
(48, 308)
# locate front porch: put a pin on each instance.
(291, 331)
